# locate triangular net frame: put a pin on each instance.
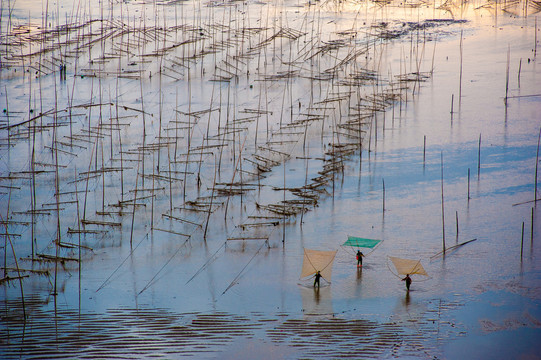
(408, 266)
(317, 260)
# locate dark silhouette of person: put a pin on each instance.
(359, 258)
(407, 279)
(316, 279)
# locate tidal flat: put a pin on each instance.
(164, 165)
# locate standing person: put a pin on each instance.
(407, 279)
(316, 279)
(359, 258)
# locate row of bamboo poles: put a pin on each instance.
(103, 155)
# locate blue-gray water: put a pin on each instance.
(166, 296)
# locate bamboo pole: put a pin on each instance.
(424, 150)
(284, 219)
(170, 181)
(134, 202)
(33, 188)
(6, 110)
(456, 217)
(535, 39)
(519, 68)
(442, 207)
(460, 86)
(479, 158)
(452, 100)
(383, 205)
(469, 185)
(79, 237)
(531, 231)
(152, 192)
(211, 200)
(536, 167)
(5, 222)
(507, 74)
(57, 190)
(6, 238)
(522, 242)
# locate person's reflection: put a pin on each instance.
(407, 299)
(359, 274)
(316, 295)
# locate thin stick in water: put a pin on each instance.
(424, 150)
(519, 68)
(460, 85)
(522, 242)
(383, 181)
(469, 184)
(452, 100)
(536, 165)
(479, 158)
(531, 231)
(442, 207)
(535, 40)
(507, 74)
(456, 217)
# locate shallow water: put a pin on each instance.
(144, 290)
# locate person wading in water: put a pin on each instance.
(407, 279)
(316, 279)
(360, 256)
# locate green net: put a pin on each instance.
(361, 242)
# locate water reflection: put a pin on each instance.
(359, 274)
(406, 300)
(316, 301)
